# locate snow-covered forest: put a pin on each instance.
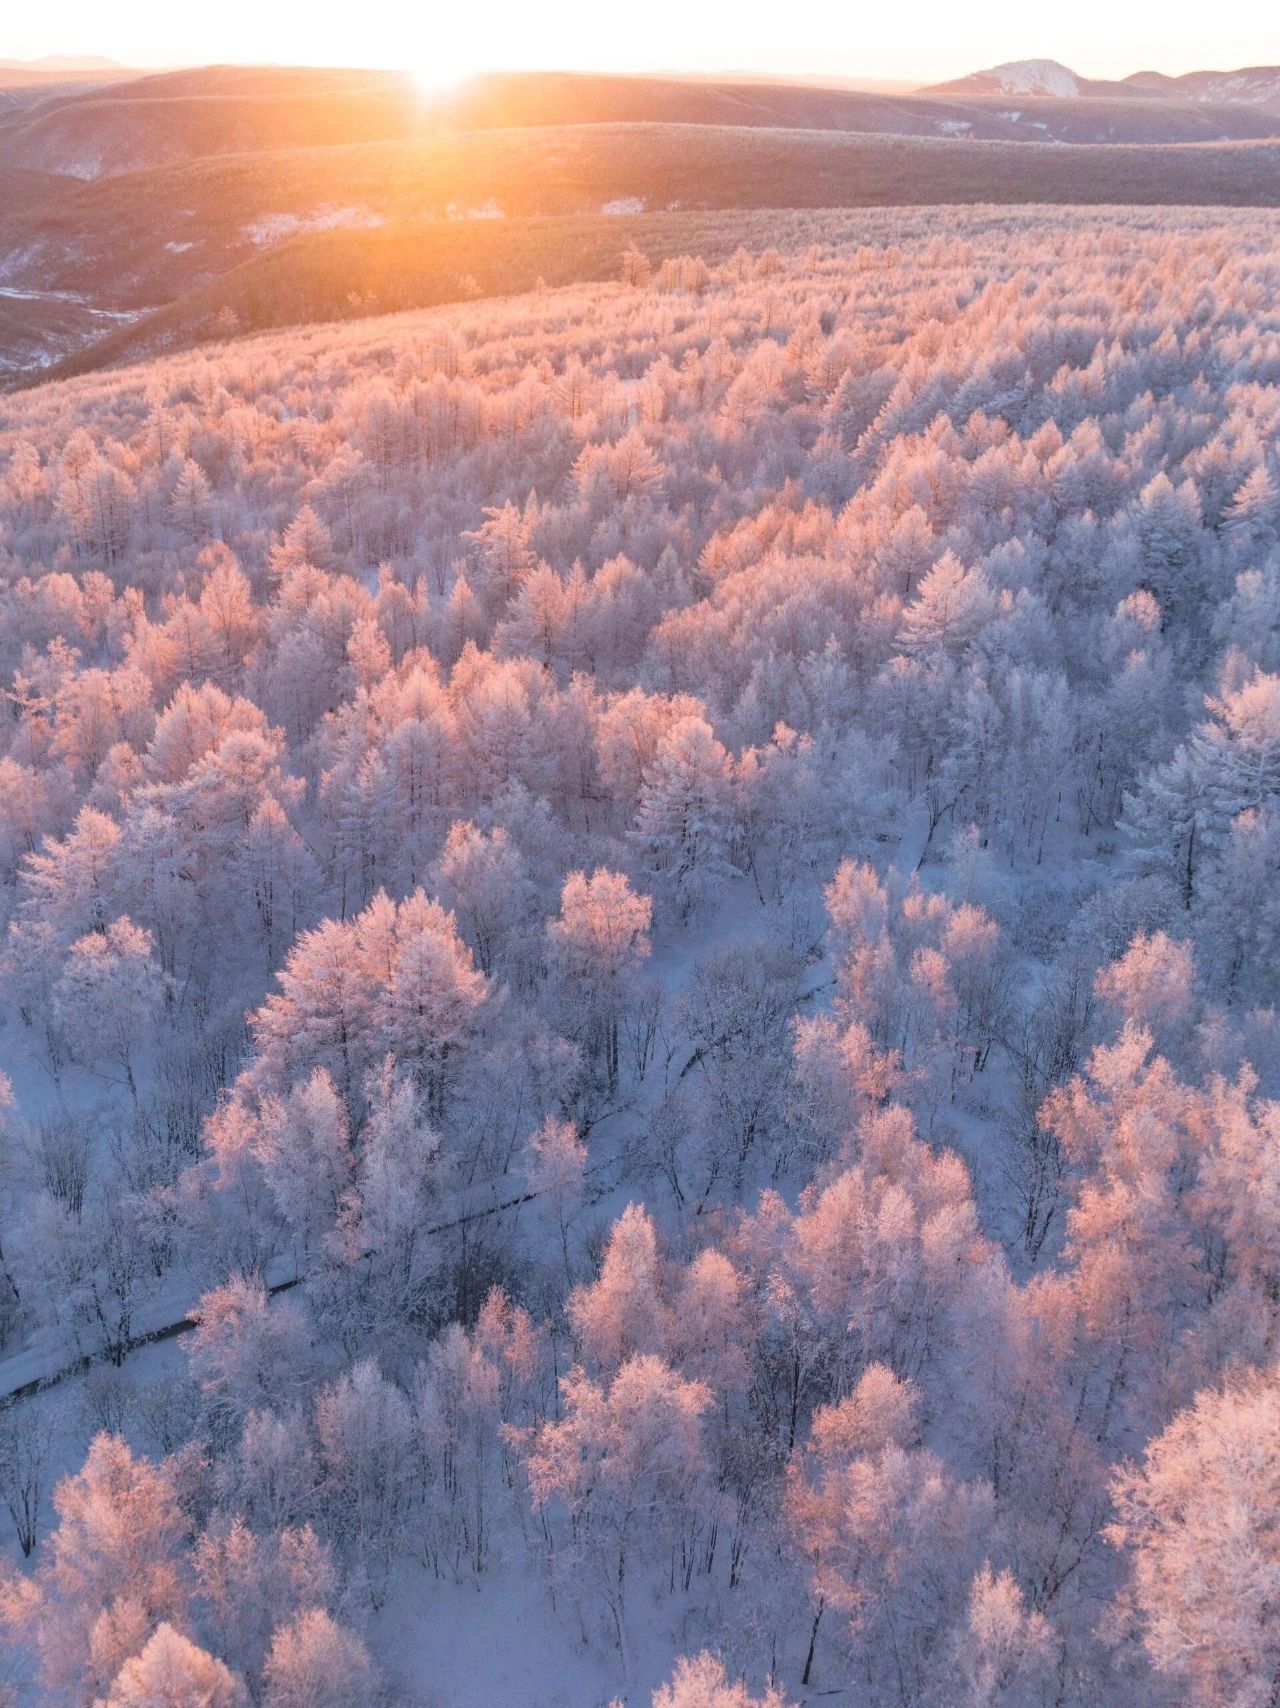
(639, 981)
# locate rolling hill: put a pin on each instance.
(338, 275)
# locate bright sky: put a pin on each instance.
(922, 39)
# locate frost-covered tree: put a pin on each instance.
(700, 1681)
(108, 996)
(113, 1573)
(685, 815)
(622, 1463)
(172, 1672)
(1197, 1516)
(317, 1663)
(599, 940)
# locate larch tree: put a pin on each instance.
(685, 815)
(624, 1461)
(700, 1681)
(316, 1663)
(1197, 1517)
(113, 1573)
(108, 996)
(173, 1672)
(599, 940)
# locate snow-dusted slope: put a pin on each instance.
(1259, 85)
(1017, 77)
(1027, 77)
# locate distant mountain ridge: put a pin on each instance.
(1255, 85)
(73, 62)
(132, 123)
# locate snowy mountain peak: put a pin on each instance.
(1033, 77)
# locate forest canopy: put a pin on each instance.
(640, 931)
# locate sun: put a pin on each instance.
(432, 81)
(449, 56)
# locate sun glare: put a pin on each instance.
(446, 57)
(440, 76)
